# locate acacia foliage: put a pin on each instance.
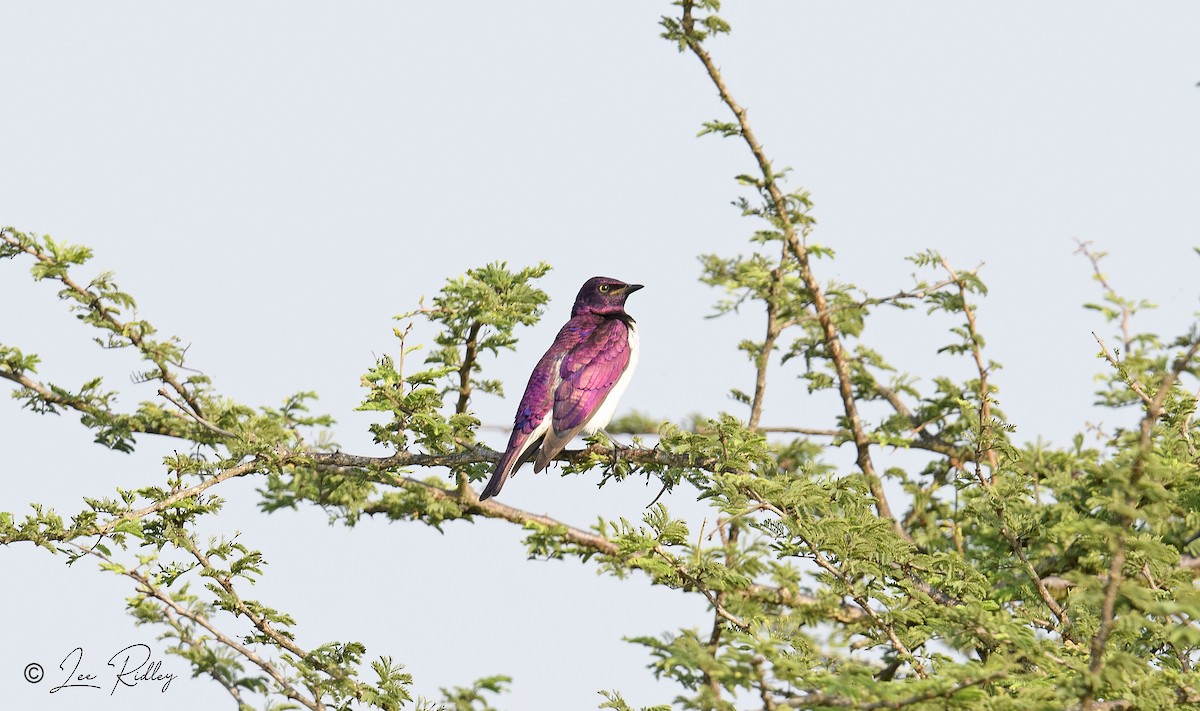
(1009, 575)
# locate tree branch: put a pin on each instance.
(147, 587)
(464, 371)
(820, 699)
(899, 296)
(985, 398)
(1084, 248)
(763, 360)
(863, 603)
(93, 303)
(781, 210)
(1154, 410)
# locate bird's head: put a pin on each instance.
(602, 295)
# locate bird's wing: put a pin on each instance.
(586, 375)
(530, 424)
(533, 417)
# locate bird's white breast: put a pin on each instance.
(605, 412)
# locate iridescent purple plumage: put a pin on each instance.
(575, 386)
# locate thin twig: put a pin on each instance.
(166, 503)
(187, 411)
(1084, 248)
(899, 296)
(230, 685)
(1133, 384)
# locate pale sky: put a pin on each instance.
(274, 182)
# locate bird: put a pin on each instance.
(576, 385)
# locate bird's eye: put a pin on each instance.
(604, 288)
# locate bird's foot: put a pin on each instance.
(616, 445)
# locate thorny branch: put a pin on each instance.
(195, 416)
(261, 623)
(464, 386)
(94, 304)
(864, 604)
(984, 448)
(985, 396)
(763, 359)
(819, 699)
(185, 639)
(896, 298)
(1134, 385)
(382, 470)
(146, 586)
(795, 244)
(464, 371)
(1085, 248)
(715, 599)
(1154, 410)
(52, 396)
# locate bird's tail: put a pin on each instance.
(519, 451)
(499, 475)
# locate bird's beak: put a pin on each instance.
(630, 288)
